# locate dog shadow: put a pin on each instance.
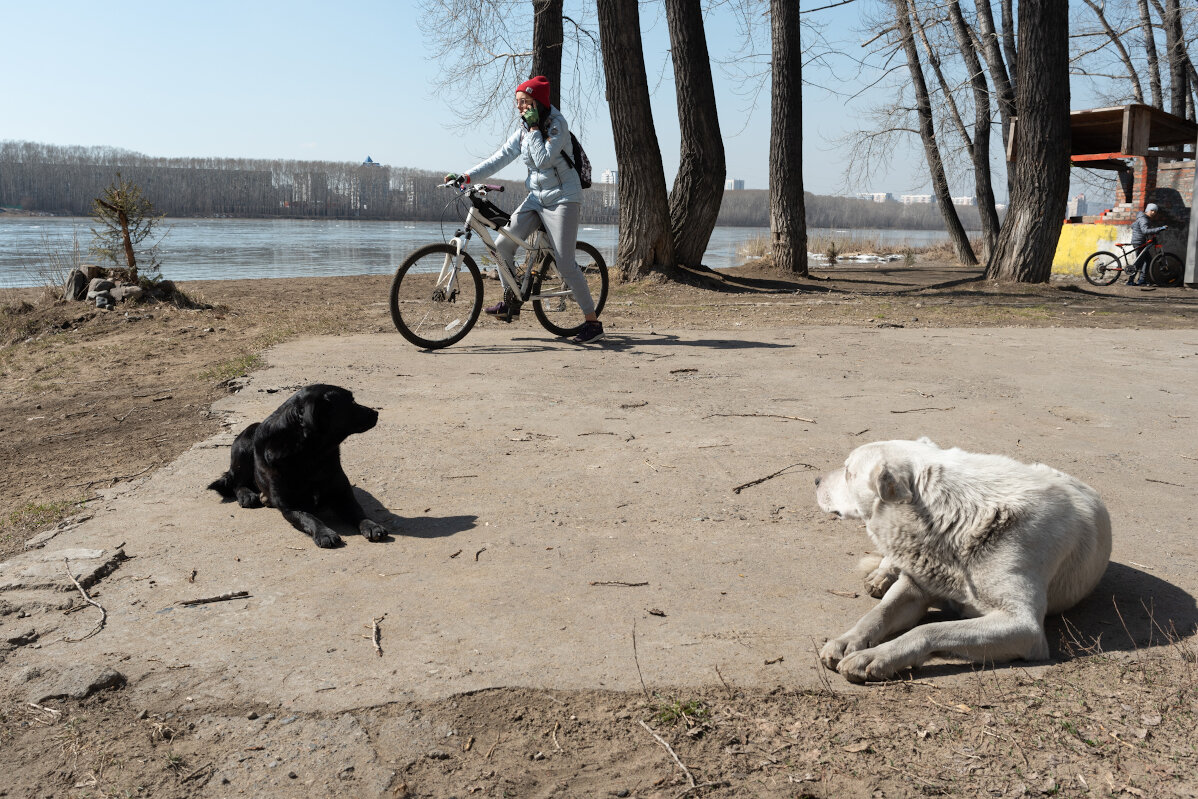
(410, 527)
(1129, 609)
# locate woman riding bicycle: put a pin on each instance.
(554, 195)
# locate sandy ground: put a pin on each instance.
(519, 474)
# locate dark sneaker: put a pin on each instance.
(591, 331)
(500, 310)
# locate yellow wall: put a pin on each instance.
(1078, 241)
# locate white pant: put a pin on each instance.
(561, 225)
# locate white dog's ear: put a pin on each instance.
(892, 482)
(928, 441)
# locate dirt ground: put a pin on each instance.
(514, 660)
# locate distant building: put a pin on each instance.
(734, 184)
(608, 181)
(916, 199)
(1077, 206)
(876, 196)
(965, 201)
(370, 162)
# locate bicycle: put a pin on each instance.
(437, 292)
(1104, 268)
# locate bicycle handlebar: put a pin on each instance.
(484, 187)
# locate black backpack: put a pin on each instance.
(580, 163)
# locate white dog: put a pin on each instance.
(1004, 542)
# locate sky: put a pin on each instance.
(340, 82)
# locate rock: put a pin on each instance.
(127, 293)
(44, 569)
(75, 682)
(104, 300)
(75, 286)
(90, 271)
(24, 675)
(97, 285)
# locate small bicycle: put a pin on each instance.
(1104, 268)
(437, 292)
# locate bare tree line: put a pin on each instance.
(66, 180)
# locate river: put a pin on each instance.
(37, 250)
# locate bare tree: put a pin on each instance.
(979, 147)
(646, 243)
(1030, 231)
(699, 184)
(788, 222)
(547, 41)
(927, 134)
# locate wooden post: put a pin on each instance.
(1191, 273)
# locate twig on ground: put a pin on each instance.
(376, 635)
(727, 687)
(1163, 482)
(221, 598)
(556, 726)
(617, 582)
(491, 751)
(103, 613)
(476, 554)
(917, 410)
(197, 772)
(690, 779)
(763, 416)
(760, 480)
(637, 660)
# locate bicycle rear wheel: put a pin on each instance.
(1102, 268)
(432, 303)
(1166, 269)
(561, 315)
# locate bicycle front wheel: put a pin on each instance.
(1166, 269)
(433, 303)
(1102, 268)
(556, 309)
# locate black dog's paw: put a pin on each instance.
(372, 530)
(327, 539)
(248, 499)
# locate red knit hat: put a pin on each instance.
(537, 88)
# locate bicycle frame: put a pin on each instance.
(537, 247)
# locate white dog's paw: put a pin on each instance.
(867, 665)
(838, 648)
(878, 581)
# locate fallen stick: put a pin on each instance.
(90, 601)
(758, 481)
(617, 582)
(917, 410)
(376, 636)
(689, 777)
(221, 598)
(764, 416)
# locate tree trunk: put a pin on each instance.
(927, 132)
(1175, 51)
(547, 41)
(992, 52)
(1008, 40)
(788, 217)
(1029, 235)
(645, 239)
(1154, 67)
(979, 152)
(699, 185)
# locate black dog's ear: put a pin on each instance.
(288, 433)
(892, 482)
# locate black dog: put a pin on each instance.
(292, 461)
